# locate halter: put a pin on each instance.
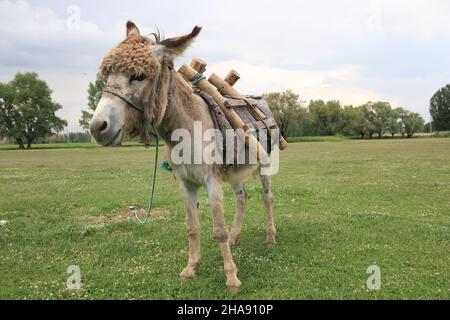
(149, 124)
(158, 89)
(124, 98)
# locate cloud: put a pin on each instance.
(348, 50)
(37, 39)
(422, 20)
(327, 84)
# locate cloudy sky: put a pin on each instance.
(349, 50)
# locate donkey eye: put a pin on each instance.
(141, 77)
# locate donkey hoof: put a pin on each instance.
(232, 238)
(187, 273)
(270, 241)
(234, 286)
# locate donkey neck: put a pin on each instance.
(184, 108)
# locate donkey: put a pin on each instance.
(142, 85)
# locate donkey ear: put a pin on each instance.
(132, 29)
(174, 47)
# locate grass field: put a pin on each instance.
(340, 207)
(88, 145)
(51, 146)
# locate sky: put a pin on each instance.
(348, 50)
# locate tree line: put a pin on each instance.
(328, 118)
(28, 114)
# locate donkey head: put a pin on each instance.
(137, 75)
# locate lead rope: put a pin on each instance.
(155, 169)
(155, 132)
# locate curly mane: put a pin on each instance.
(132, 56)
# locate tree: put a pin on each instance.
(27, 111)
(440, 109)
(362, 125)
(381, 111)
(9, 115)
(93, 99)
(411, 123)
(369, 119)
(326, 116)
(302, 124)
(348, 120)
(354, 121)
(393, 121)
(285, 107)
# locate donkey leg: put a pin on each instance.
(220, 229)
(190, 196)
(241, 202)
(271, 232)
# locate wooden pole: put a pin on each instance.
(236, 122)
(198, 65)
(232, 77)
(225, 89)
(283, 145)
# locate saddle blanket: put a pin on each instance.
(264, 128)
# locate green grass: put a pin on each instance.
(317, 139)
(340, 208)
(88, 145)
(51, 146)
